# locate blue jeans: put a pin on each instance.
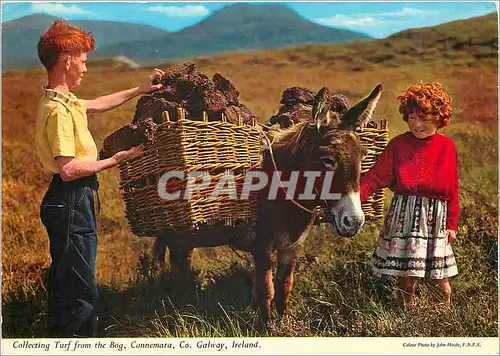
(68, 213)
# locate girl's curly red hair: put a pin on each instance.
(425, 99)
(61, 37)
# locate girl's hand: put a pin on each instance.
(148, 85)
(452, 235)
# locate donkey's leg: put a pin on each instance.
(263, 283)
(287, 260)
(181, 259)
(159, 249)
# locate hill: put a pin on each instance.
(466, 42)
(238, 27)
(20, 36)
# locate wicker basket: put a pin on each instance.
(375, 138)
(217, 147)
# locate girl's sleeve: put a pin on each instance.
(453, 208)
(380, 175)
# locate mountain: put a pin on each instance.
(237, 27)
(20, 36)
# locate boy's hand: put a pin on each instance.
(124, 155)
(148, 85)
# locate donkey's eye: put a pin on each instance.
(329, 162)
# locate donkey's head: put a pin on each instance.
(328, 142)
(339, 150)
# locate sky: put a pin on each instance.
(377, 19)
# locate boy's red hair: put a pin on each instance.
(61, 37)
(425, 99)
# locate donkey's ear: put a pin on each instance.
(321, 107)
(362, 112)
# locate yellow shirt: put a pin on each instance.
(62, 129)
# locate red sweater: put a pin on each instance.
(423, 167)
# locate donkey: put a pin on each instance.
(326, 142)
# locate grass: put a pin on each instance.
(335, 293)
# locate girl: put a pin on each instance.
(420, 167)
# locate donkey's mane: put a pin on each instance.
(287, 136)
(293, 138)
(297, 138)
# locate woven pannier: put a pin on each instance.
(217, 147)
(374, 136)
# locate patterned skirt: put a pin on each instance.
(413, 242)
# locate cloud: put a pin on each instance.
(371, 19)
(57, 9)
(185, 11)
(344, 20)
(406, 11)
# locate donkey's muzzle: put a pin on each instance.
(350, 225)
